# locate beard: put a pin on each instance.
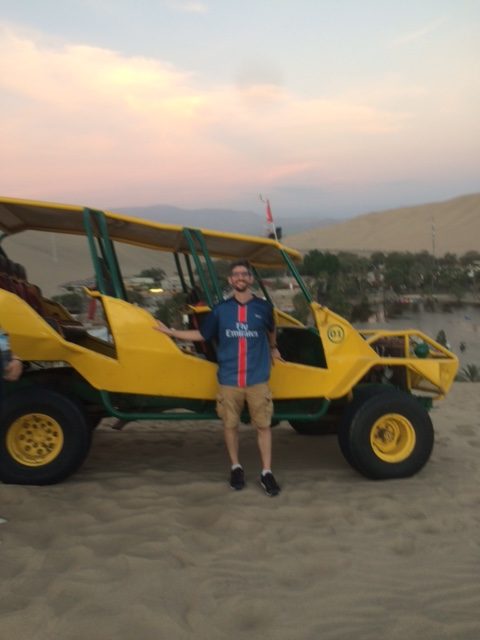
(240, 286)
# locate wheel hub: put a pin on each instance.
(34, 439)
(392, 437)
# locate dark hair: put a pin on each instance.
(241, 263)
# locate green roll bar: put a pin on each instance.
(95, 221)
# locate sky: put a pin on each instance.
(329, 108)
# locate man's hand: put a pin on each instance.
(192, 335)
(276, 355)
(13, 370)
(160, 326)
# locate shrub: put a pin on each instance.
(469, 373)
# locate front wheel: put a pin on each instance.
(44, 438)
(389, 436)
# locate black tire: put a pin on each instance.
(94, 419)
(44, 438)
(62, 380)
(389, 436)
(361, 393)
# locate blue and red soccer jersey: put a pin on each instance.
(243, 345)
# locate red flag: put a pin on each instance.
(269, 213)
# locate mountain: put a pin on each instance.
(451, 226)
(231, 220)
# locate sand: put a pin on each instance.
(450, 226)
(148, 542)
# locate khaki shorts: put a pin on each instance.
(231, 401)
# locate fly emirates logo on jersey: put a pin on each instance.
(241, 331)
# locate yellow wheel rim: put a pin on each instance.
(34, 439)
(392, 437)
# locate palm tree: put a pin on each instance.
(469, 373)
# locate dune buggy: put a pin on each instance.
(373, 387)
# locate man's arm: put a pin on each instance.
(192, 335)
(13, 369)
(272, 340)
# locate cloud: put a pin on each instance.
(80, 122)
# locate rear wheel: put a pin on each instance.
(44, 438)
(389, 436)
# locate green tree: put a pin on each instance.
(316, 263)
(339, 303)
(469, 373)
(400, 273)
(395, 278)
(135, 297)
(470, 258)
(377, 259)
(170, 311)
(301, 308)
(155, 273)
(449, 260)
(362, 311)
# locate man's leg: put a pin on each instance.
(260, 405)
(264, 440)
(230, 402)
(231, 442)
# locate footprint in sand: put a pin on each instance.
(404, 546)
(465, 430)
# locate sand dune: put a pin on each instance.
(452, 226)
(147, 541)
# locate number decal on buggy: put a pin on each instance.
(336, 333)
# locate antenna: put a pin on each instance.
(433, 236)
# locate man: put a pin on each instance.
(13, 369)
(10, 366)
(244, 329)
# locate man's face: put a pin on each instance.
(240, 279)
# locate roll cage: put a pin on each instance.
(110, 280)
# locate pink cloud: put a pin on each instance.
(89, 123)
